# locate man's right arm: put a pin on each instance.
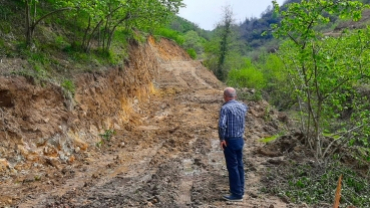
(222, 124)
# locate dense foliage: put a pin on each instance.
(99, 19)
(62, 37)
(324, 70)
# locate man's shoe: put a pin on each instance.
(232, 193)
(232, 197)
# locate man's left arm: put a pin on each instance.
(222, 127)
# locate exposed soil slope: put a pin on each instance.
(165, 150)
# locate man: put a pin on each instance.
(231, 131)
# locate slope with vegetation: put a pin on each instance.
(313, 62)
(52, 37)
(86, 69)
(325, 80)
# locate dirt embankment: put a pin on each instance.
(40, 120)
(41, 125)
(163, 107)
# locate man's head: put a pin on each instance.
(229, 94)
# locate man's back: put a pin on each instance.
(232, 119)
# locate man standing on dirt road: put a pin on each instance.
(231, 130)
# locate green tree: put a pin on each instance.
(192, 40)
(324, 70)
(225, 25)
(33, 18)
(276, 82)
(106, 16)
(247, 76)
(224, 50)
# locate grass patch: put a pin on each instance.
(192, 53)
(106, 136)
(316, 184)
(69, 87)
(270, 139)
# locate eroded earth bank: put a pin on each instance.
(144, 135)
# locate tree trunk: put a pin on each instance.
(92, 33)
(227, 21)
(83, 46)
(110, 37)
(28, 24)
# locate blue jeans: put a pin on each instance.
(234, 162)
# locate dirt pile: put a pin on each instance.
(40, 124)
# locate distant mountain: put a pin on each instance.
(252, 28)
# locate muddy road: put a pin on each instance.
(171, 158)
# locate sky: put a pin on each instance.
(207, 13)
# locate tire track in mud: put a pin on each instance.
(162, 177)
(94, 177)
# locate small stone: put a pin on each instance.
(29, 178)
(275, 161)
(150, 204)
(159, 198)
(122, 144)
(271, 206)
(253, 195)
(77, 149)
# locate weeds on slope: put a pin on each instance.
(316, 184)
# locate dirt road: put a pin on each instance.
(171, 159)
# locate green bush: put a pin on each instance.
(248, 77)
(278, 85)
(306, 182)
(192, 53)
(171, 34)
(68, 86)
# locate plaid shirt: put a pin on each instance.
(232, 120)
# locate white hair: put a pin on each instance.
(230, 92)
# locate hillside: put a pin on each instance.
(253, 28)
(158, 155)
(94, 115)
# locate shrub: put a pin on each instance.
(192, 53)
(171, 34)
(248, 77)
(68, 86)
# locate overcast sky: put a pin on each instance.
(206, 13)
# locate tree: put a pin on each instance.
(225, 25)
(224, 46)
(192, 40)
(106, 16)
(32, 18)
(325, 71)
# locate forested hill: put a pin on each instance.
(252, 28)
